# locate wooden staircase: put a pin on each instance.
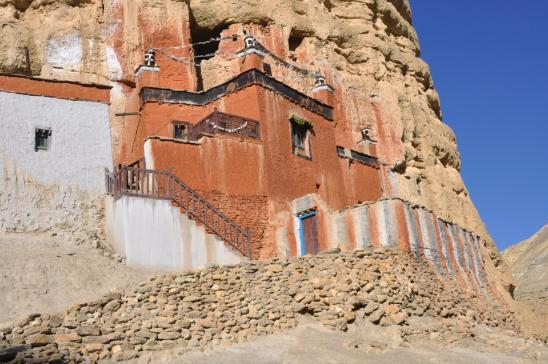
(148, 183)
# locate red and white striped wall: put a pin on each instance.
(394, 223)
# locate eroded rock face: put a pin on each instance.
(64, 39)
(369, 50)
(528, 261)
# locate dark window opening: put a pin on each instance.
(295, 40)
(267, 69)
(300, 137)
(363, 158)
(357, 156)
(180, 130)
(42, 139)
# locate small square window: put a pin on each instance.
(179, 130)
(42, 139)
(300, 137)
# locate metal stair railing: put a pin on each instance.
(158, 184)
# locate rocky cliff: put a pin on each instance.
(528, 261)
(369, 50)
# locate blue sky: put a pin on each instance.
(489, 61)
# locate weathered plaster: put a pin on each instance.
(80, 147)
(115, 71)
(60, 188)
(149, 158)
(412, 230)
(65, 52)
(449, 248)
(153, 234)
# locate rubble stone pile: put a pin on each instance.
(232, 304)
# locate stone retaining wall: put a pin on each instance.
(223, 305)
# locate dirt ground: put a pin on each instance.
(311, 342)
(41, 273)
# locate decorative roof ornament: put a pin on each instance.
(149, 64)
(321, 83)
(250, 42)
(150, 58)
(251, 45)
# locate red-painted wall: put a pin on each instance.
(241, 176)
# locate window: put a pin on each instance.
(179, 130)
(300, 137)
(357, 156)
(267, 69)
(42, 139)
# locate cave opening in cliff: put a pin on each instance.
(328, 5)
(295, 40)
(204, 46)
(207, 50)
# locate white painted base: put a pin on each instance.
(153, 234)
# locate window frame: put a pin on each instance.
(178, 123)
(42, 134)
(302, 149)
(267, 69)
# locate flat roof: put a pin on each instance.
(243, 80)
(69, 90)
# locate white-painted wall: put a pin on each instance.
(81, 141)
(153, 234)
(62, 187)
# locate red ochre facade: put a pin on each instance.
(254, 181)
(58, 89)
(261, 184)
